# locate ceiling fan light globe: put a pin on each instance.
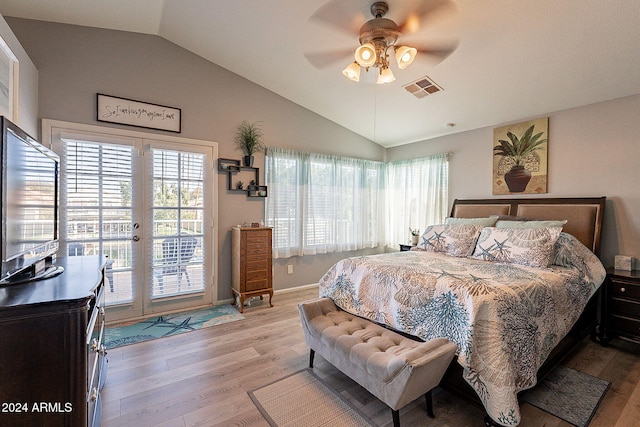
(352, 72)
(405, 56)
(366, 55)
(385, 76)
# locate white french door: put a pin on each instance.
(148, 204)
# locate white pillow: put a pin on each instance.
(530, 224)
(487, 222)
(527, 246)
(456, 239)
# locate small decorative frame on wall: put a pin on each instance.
(8, 82)
(520, 158)
(136, 113)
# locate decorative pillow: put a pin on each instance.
(527, 246)
(456, 239)
(486, 222)
(530, 224)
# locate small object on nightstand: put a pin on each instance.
(404, 247)
(621, 306)
(623, 262)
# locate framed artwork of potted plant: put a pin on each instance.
(520, 158)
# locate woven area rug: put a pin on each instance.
(568, 394)
(171, 324)
(303, 399)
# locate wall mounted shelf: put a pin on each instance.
(257, 191)
(247, 175)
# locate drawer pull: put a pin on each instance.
(623, 290)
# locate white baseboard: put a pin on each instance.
(296, 288)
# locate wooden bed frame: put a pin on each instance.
(583, 214)
(584, 221)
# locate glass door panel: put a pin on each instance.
(97, 214)
(178, 216)
(148, 206)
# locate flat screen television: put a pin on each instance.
(29, 185)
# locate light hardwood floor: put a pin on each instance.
(201, 378)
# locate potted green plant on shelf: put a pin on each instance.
(518, 177)
(248, 137)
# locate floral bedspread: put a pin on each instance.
(505, 318)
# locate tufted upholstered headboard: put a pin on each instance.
(583, 214)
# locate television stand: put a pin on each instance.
(52, 347)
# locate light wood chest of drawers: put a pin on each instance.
(251, 263)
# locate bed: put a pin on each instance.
(513, 282)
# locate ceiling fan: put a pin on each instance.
(378, 37)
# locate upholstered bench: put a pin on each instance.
(395, 369)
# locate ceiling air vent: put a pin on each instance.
(422, 87)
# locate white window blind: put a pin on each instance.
(319, 203)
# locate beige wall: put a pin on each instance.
(593, 150)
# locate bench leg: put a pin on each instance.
(396, 417)
(311, 354)
(429, 400)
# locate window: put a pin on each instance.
(417, 196)
(319, 203)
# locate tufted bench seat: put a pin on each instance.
(396, 369)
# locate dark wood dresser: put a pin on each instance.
(251, 263)
(621, 305)
(52, 358)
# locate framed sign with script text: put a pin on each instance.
(135, 113)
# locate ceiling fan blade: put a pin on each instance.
(347, 16)
(324, 59)
(436, 52)
(430, 10)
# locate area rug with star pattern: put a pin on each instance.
(167, 325)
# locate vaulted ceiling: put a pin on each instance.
(515, 59)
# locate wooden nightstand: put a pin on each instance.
(621, 305)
